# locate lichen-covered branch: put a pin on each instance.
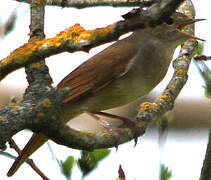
(40, 108)
(76, 38)
(165, 102)
(148, 111)
(90, 3)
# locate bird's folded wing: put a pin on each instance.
(99, 71)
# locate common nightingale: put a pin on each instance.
(123, 72)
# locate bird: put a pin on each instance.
(118, 75)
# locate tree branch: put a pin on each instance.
(76, 38)
(40, 108)
(148, 111)
(90, 3)
(206, 169)
(30, 162)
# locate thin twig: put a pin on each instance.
(30, 162)
(206, 169)
(93, 3)
(202, 58)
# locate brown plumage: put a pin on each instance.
(118, 75)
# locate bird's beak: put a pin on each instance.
(183, 24)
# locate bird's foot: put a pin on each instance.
(126, 122)
(102, 121)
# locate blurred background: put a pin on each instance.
(181, 147)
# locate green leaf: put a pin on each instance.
(208, 86)
(200, 49)
(164, 121)
(67, 166)
(89, 160)
(165, 173)
(10, 24)
(205, 72)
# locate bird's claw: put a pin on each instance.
(126, 123)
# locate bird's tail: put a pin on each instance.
(33, 144)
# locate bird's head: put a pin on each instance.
(173, 29)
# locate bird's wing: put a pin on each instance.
(98, 71)
(86, 78)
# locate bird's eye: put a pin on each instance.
(169, 21)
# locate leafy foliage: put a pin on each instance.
(67, 166)
(204, 70)
(90, 160)
(165, 173)
(200, 49)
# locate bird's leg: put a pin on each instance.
(106, 125)
(126, 121)
(103, 122)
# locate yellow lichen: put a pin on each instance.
(1, 118)
(58, 43)
(38, 2)
(30, 35)
(55, 42)
(70, 32)
(182, 58)
(38, 65)
(75, 33)
(20, 55)
(144, 106)
(164, 96)
(180, 72)
(93, 34)
(84, 35)
(155, 106)
(47, 103)
(185, 46)
(148, 106)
